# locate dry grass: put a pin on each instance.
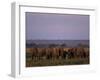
(56, 62)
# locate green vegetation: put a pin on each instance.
(55, 62)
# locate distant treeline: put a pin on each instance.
(35, 45)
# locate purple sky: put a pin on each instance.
(43, 26)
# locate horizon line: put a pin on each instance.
(57, 39)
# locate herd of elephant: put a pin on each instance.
(56, 53)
